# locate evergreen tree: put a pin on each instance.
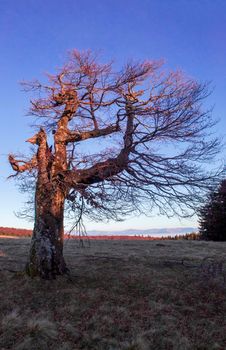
(213, 215)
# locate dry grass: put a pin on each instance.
(123, 295)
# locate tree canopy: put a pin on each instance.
(149, 130)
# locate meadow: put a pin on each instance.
(120, 295)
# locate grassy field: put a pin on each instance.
(121, 295)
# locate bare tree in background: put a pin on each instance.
(150, 136)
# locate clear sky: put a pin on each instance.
(35, 35)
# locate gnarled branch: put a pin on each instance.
(20, 165)
(75, 136)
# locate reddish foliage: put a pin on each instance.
(10, 231)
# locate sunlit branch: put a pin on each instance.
(20, 165)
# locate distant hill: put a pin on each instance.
(149, 232)
(8, 231)
(153, 232)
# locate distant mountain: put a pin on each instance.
(152, 232)
(149, 232)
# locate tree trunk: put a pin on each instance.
(46, 252)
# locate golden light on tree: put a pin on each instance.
(158, 138)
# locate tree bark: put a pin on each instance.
(46, 252)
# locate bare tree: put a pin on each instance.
(150, 136)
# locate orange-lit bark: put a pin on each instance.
(46, 252)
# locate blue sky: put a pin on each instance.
(36, 34)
